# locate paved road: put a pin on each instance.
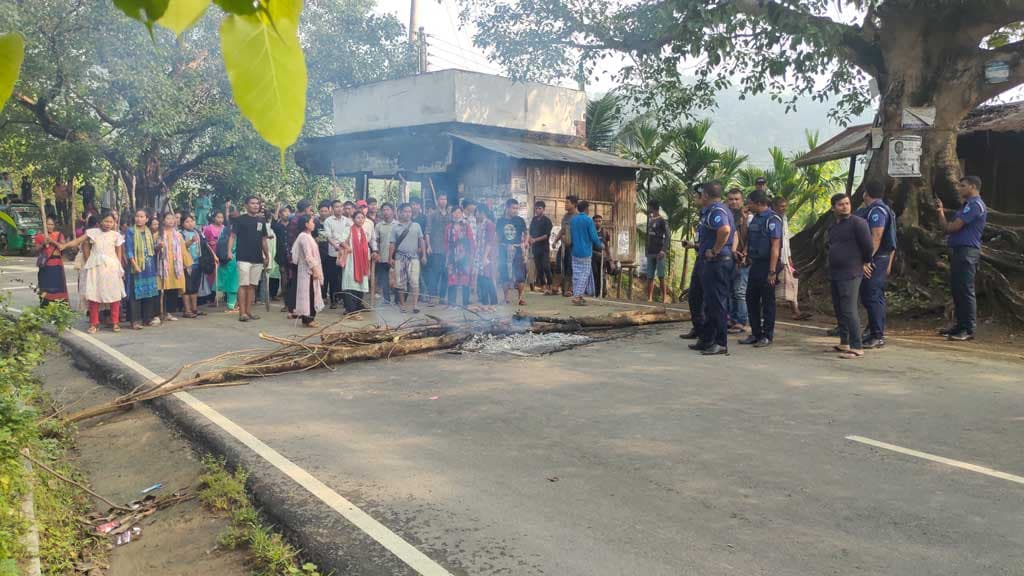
(633, 456)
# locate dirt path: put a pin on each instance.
(125, 453)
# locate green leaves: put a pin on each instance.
(146, 11)
(12, 52)
(267, 70)
(238, 6)
(182, 14)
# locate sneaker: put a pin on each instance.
(749, 340)
(960, 336)
(698, 346)
(715, 350)
(874, 343)
(763, 343)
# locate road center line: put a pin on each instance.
(394, 543)
(941, 460)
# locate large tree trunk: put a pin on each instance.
(921, 72)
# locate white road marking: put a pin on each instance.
(12, 288)
(16, 268)
(394, 543)
(941, 460)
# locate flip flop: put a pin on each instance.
(522, 302)
(92, 330)
(116, 327)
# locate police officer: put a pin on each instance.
(695, 296)
(715, 251)
(964, 252)
(882, 223)
(764, 245)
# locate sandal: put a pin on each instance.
(841, 348)
(116, 327)
(579, 302)
(851, 355)
(136, 326)
(92, 330)
(415, 310)
(522, 302)
(312, 324)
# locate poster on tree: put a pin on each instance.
(905, 157)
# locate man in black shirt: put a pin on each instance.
(657, 244)
(540, 248)
(249, 240)
(512, 237)
(849, 259)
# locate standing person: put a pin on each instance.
(372, 210)
(601, 257)
(305, 256)
(540, 247)
(882, 222)
(695, 292)
(303, 208)
(382, 236)
(52, 283)
(564, 259)
(483, 260)
(227, 273)
(60, 196)
(420, 218)
(104, 275)
(460, 247)
(964, 241)
(193, 275)
(408, 250)
(172, 261)
(204, 205)
(716, 278)
(355, 279)
(763, 248)
(140, 252)
(88, 194)
(849, 260)
(656, 249)
(790, 280)
(738, 317)
(437, 223)
(335, 229)
(280, 228)
(273, 269)
(511, 230)
(249, 244)
(584, 242)
(211, 232)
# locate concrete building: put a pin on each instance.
(466, 134)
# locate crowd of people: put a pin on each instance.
(743, 259)
(145, 269)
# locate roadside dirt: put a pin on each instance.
(125, 453)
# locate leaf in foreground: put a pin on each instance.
(182, 14)
(12, 52)
(267, 71)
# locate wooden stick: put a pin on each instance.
(433, 192)
(25, 453)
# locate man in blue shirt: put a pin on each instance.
(964, 252)
(882, 223)
(584, 241)
(695, 295)
(764, 246)
(715, 251)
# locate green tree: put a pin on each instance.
(603, 122)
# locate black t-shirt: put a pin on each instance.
(541, 226)
(249, 233)
(510, 230)
(657, 236)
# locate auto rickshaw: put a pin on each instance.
(19, 223)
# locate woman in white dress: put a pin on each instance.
(310, 276)
(104, 274)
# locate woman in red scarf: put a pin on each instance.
(52, 283)
(355, 281)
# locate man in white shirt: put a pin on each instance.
(336, 227)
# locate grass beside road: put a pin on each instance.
(224, 492)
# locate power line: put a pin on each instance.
(456, 47)
(463, 56)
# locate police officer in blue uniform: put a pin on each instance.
(695, 296)
(964, 252)
(715, 252)
(882, 223)
(764, 245)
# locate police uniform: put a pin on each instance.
(872, 290)
(695, 297)
(716, 275)
(764, 228)
(965, 252)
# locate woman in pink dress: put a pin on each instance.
(310, 279)
(104, 284)
(210, 233)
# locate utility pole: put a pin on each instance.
(414, 20)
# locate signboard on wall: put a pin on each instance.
(918, 117)
(905, 157)
(622, 244)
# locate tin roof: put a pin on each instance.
(530, 151)
(856, 140)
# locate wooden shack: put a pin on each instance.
(472, 135)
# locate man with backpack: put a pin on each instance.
(882, 223)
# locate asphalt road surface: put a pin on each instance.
(634, 456)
